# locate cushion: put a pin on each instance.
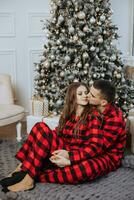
(10, 113)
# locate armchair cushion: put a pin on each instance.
(10, 113)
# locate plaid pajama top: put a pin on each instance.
(96, 151)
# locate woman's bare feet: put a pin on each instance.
(26, 184)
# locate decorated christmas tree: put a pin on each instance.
(80, 47)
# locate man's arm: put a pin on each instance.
(101, 140)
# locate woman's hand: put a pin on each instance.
(61, 152)
(60, 161)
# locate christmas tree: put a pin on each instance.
(80, 47)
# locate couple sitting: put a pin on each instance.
(88, 142)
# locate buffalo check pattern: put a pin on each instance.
(97, 150)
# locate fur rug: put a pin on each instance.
(118, 185)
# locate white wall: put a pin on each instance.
(22, 39)
(123, 17)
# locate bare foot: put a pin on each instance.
(26, 184)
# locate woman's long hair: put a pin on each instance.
(70, 107)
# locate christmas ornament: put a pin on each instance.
(85, 29)
(67, 58)
(75, 38)
(85, 55)
(52, 57)
(81, 15)
(92, 20)
(92, 48)
(113, 58)
(62, 74)
(79, 65)
(71, 30)
(102, 18)
(46, 64)
(100, 40)
(76, 80)
(60, 19)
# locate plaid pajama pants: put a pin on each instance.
(37, 149)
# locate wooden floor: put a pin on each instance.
(9, 131)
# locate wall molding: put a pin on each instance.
(8, 18)
(33, 53)
(12, 71)
(132, 31)
(35, 25)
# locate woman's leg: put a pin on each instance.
(41, 142)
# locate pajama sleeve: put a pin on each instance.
(100, 140)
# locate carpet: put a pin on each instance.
(118, 185)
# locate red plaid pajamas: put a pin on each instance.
(97, 151)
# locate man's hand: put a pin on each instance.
(60, 161)
(61, 152)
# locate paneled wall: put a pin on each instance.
(22, 39)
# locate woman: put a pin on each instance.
(48, 156)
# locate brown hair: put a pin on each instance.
(107, 89)
(70, 107)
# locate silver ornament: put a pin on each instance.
(54, 20)
(71, 29)
(100, 40)
(94, 75)
(97, 9)
(58, 42)
(42, 71)
(99, 23)
(92, 48)
(75, 80)
(102, 18)
(85, 55)
(81, 15)
(62, 74)
(75, 38)
(75, 72)
(79, 65)
(118, 76)
(92, 20)
(87, 65)
(113, 58)
(63, 30)
(102, 75)
(53, 86)
(60, 46)
(43, 87)
(67, 58)
(37, 67)
(60, 19)
(52, 57)
(105, 32)
(85, 71)
(70, 77)
(85, 29)
(85, 47)
(47, 64)
(55, 63)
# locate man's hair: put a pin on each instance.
(107, 89)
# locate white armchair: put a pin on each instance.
(9, 112)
